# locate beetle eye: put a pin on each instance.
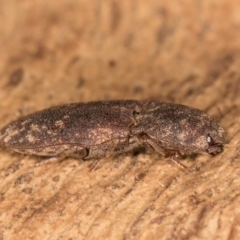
(210, 140)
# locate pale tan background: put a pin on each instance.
(55, 52)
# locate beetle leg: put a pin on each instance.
(173, 155)
(108, 153)
(155, 146)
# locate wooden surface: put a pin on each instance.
(55, 52)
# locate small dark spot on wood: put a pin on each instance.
(232, 74)
(189, 92)
(25, 178)
(208, 193)
(115, 186)
(16, 77)
(128, 192)
(11, 169)
(89, 213)
(151, 207)
(20, 212)
(202, 214)
(163, 33)
(39, 51)
(56, 178)
(50, 96)
(112, 63)
(190, 78)
(27, 190)
(193, 200)
(2, 234)
(116, 15)
(220, 66)
(158, 220)
(137, 89)
(141, 176)
(72, 63)
(81, 82)
(2, 198)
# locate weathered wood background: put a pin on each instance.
(55, 52)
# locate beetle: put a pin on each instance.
(102, 128)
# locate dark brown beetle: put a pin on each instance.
(99, 129)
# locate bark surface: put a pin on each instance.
(57, 52)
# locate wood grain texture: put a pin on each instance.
(184, 52)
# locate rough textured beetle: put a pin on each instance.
(99, 129)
